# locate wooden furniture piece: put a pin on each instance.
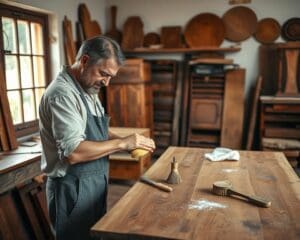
(129, 96)
(279, 67)
(192, 211)
(166, 89)
(213, 92)
(182, 99)
(279, 121)
(288, 69)
(122, 165)
(22, 205)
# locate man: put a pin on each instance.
(76, 141)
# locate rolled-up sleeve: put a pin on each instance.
(68, 124)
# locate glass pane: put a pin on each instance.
(26, 72)
(24, 38)
(39, 71)
(28, 105)
(38, 95)
(37, 38)
(15, 106)
(9, 34)
(12, 72)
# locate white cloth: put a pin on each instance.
(220, 154)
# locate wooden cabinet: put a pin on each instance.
(121, 164)
(129, 96)
(206, 114)
(216, 107)
(279, 126)
(205, 108)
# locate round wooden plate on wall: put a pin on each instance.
(291, 29)
(203, 30)
(268, 30)
(240, 23)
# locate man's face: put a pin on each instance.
(93, 77)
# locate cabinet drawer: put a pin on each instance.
(206, 113)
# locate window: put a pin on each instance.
(24, 52)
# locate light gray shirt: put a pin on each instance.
(63, 118)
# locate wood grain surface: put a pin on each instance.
(240, 23)
(113, 32)
(69, 44)
(291, 29)
(133, 33)
(151, 38)
(205, 29)
(233, 109)
(170, 37)
(268, 30)
(90, 27)
(192, 211)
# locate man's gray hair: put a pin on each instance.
(101, 48)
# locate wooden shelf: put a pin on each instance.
(278, 100)
(181, 50)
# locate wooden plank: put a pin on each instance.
(282, 132)
(145, 212)
(7, 119)
(3, 137)
(69, 44)
(253, 117)
(233, 110)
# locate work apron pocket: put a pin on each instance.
(68, 194)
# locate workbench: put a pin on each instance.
(192, 211)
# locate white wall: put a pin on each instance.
(157, 13)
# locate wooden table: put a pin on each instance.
(191, 211)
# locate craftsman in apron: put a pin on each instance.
(77, 200)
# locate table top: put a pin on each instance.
(192, 211)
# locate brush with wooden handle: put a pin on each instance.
(224, 188)
(156, 184)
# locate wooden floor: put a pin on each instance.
(116, 190)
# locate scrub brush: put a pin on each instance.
(174, 176)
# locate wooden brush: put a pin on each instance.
(224, 188)
(174, 176)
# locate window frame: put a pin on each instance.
(17, 13)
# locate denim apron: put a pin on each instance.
(77, 200)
